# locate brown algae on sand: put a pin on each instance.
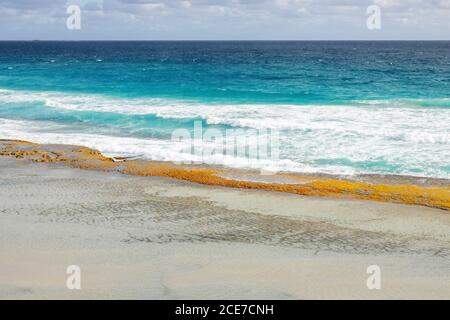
(436, 196)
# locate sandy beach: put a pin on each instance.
(224, 150)
(161, 238)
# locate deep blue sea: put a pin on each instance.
(339, 107)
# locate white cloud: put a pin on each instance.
(227, 19)
(185, 4)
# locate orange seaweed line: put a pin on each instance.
(436, 197)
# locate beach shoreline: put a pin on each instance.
(422, 191)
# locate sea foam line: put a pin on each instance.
(330, 139)
(369, 118)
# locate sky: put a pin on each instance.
(225, 20)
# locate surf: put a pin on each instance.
(380, 137)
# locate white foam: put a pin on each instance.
(152, 149)
(333, 139)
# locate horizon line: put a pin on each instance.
(223, 40)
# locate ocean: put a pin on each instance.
(337, 107)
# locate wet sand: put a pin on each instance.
(160, 238)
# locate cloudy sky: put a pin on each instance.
(224, 19)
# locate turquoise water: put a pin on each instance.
(339, 107)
